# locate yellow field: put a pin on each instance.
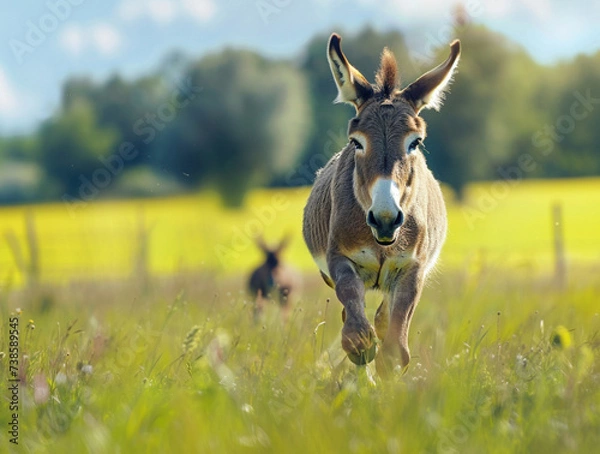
(506, 226)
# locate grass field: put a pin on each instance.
(503, 359)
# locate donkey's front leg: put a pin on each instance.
(358, 336)
(405, 297)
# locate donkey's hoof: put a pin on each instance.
(360, 359)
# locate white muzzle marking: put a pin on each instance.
(385, 196)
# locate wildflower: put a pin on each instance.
(561, 338)
(31, 324)
(41, 390)
(60, 379)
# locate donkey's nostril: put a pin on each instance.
(399, 219)
(371, 221)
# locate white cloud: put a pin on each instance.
(106, 38)
(72, 39)
(9, 99)
(201, 10)
(423, 10)
(18, 107)
(538, 9)
(432, 10)
(160, 11)
(101, 37)
(166, 11)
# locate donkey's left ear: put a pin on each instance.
(353, 87)
(427, 92)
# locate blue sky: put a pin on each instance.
(44, 42)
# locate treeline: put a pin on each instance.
(236, 120)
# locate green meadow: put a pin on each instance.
(136, 333)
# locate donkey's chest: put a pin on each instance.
(379, 271)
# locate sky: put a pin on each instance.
(44, 42)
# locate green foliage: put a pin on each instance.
(247, 125)
(18, 148)
(573, 150)
(20, 174)
(120, 105)
(487, 113)
(144, 181)
(73, 145)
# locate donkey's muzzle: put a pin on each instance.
(384, 226)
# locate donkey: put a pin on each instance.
(375, 218)
(272, 279)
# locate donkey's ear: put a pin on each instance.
(353, 87)
(283, 244)
(427, 92)
(260, 242)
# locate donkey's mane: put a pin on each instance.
(387, 75)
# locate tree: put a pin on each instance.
(72, 146)
(567, 141)
(247, 124)
(488, 113)
(124, 106)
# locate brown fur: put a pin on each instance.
(387, 76)
(337, 227)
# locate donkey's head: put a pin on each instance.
(272, 254)
(386, 133)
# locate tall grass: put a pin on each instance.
(498, 366)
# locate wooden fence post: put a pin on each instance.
(560, 268)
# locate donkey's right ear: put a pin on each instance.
(260, 242)
(353, 87)
(285, 241)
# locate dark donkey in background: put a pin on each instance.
(272, 279)
(376, 218)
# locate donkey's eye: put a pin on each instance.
(356, 144)
(414, 144)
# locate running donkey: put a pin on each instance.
(272, 279)
(375, 218)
